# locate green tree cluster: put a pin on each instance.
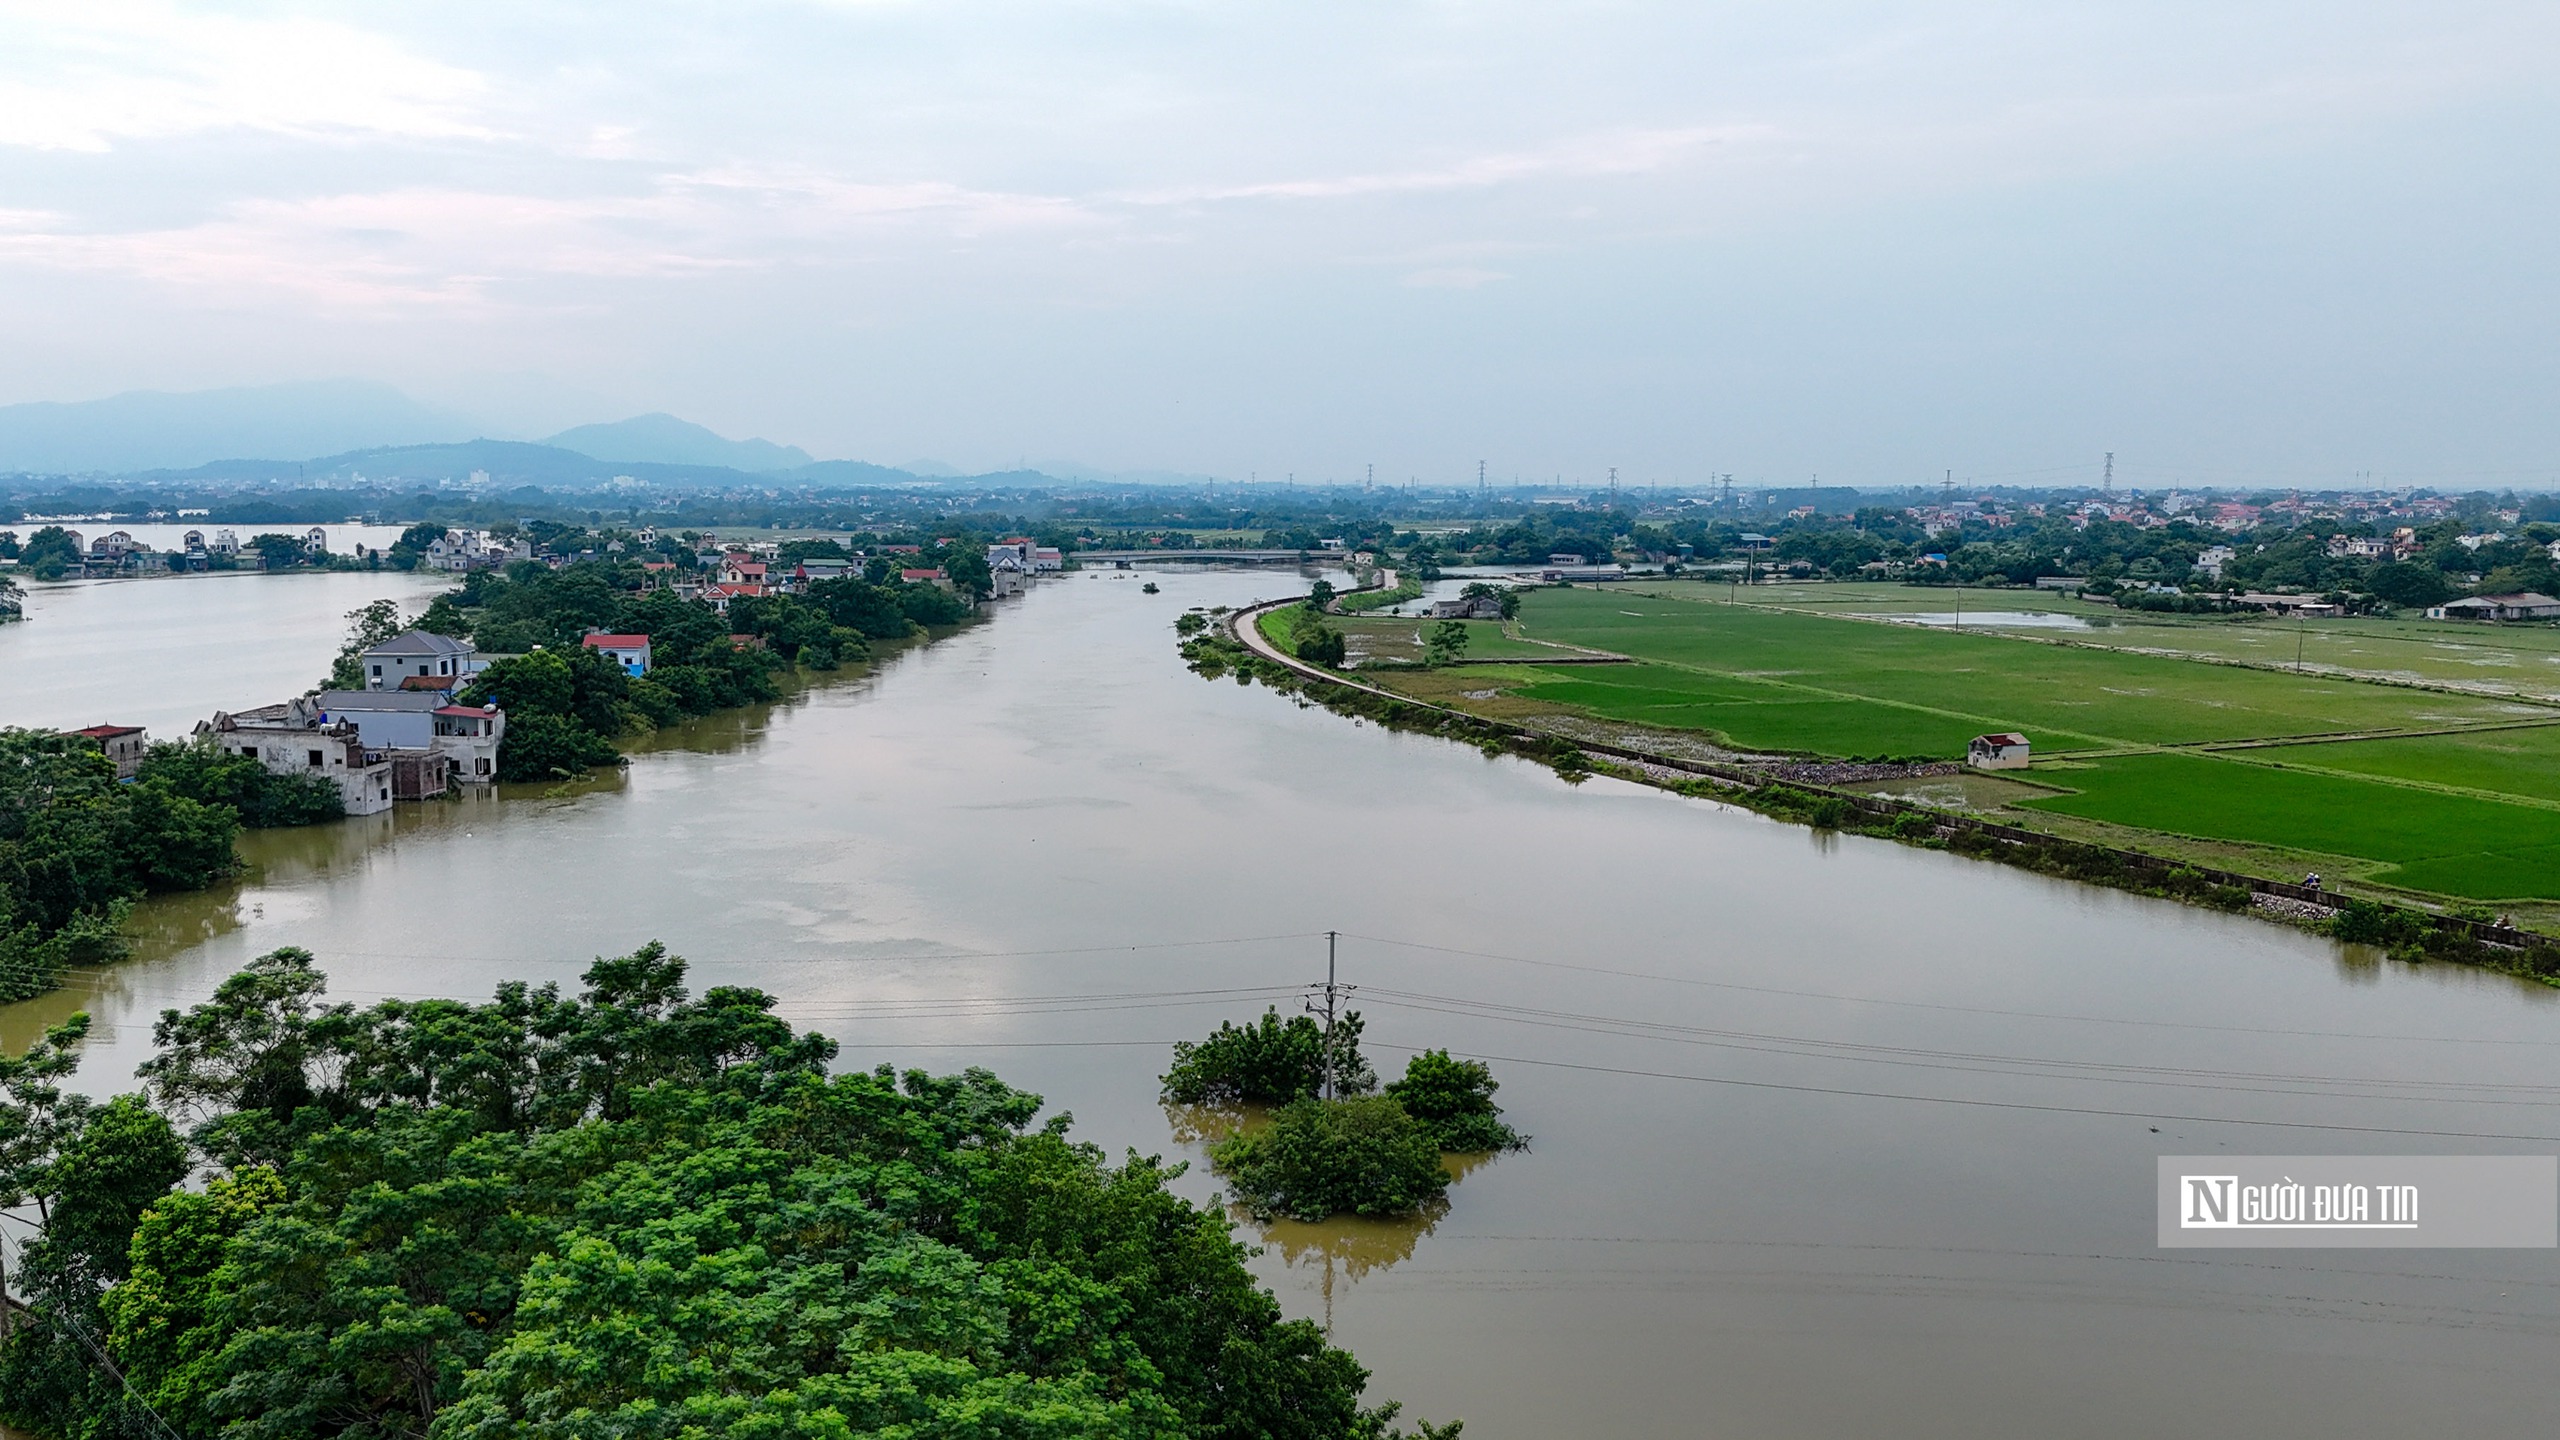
(1453, 1099)
(48, 553)
(76, 844)
(368, 625)
(1362, 1156)
(1269, 1062)
(202, 771)
(631, 1213)
(1309, 638)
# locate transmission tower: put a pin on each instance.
(2110, 481)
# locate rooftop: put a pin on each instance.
(421, 642)
(616, 642)
(106, 732)
(338, 701)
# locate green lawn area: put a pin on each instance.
(2450, 844)
(2062, 697)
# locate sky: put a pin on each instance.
(2231, 243)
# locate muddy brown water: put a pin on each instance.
(1831, 1136)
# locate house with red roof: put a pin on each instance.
(124, 744)
(631, 652)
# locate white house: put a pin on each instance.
(1008, 575)
(2005, 751)
(416, 652)
(467, 737)
(289, 739)
(631, 652)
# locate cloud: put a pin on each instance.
(1619, 152)
(478, 252)
(1455, 277)
(82, 77)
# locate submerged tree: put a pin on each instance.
(1269, 1062)
(1366, 1156)
(1454, 1099)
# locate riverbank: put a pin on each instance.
(2410, 932)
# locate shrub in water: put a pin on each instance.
(1324, 1157)
(1454, 1101)
(1269, 1062)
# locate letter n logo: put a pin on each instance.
(2206, 1203)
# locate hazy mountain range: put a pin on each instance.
(154, 430)
(662, 439)
(360, 428)
(146, 431)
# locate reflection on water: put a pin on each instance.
(1343, 1246)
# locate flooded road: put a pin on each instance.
(1830, 1135)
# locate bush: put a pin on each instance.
(1320, 645)
(210, 775)
(551, 747)
(1270, 1062)
(1454, 1100)
(1365, 1156)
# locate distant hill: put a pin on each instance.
(665, 440)
(507, 462)
(157, 430)
(852, 472)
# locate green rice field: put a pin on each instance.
(2063, 698)
(2450, 844)
(2428, 789)
(2520, 659)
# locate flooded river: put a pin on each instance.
(1831, 1136)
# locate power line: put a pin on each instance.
(1992, 1104)
(1695, 981)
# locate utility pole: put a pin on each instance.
(1332, 994)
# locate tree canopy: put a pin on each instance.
(633, 1213)
(1269, 1062)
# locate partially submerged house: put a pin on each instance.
(292, 739)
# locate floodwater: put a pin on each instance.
(1830, 1136)
(164, 652)
(1988, 619)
